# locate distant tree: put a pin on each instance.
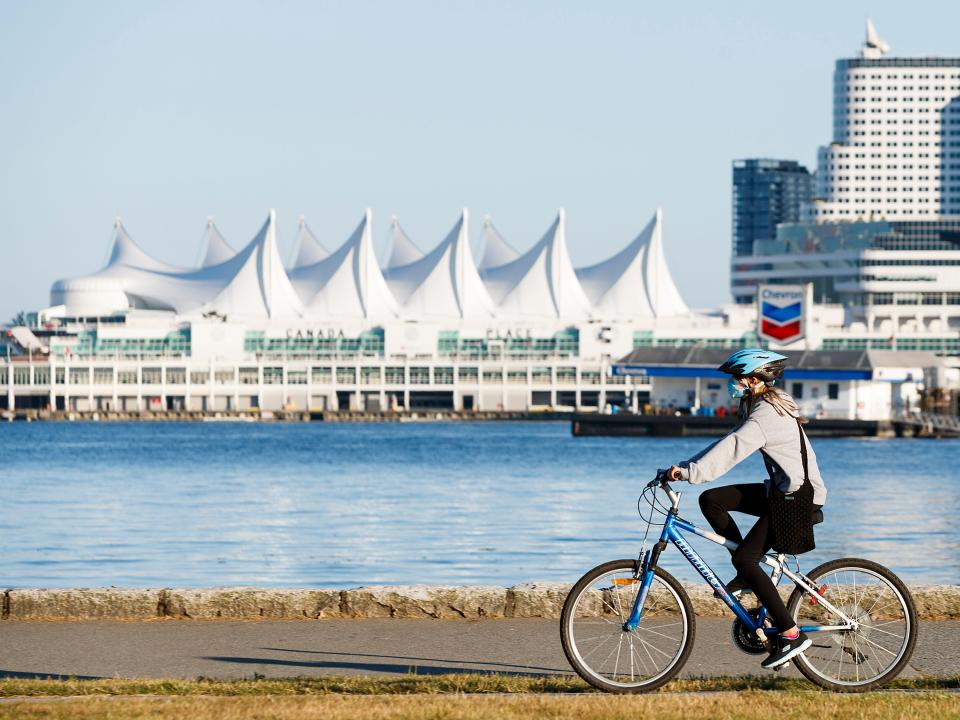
(19, 319)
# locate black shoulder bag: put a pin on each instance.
(791, 514)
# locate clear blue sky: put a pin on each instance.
(167, 112)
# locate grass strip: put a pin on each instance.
(453, 683)
(746, 705)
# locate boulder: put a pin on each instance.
(536, 600)
(937, 602)
(82, 604)
(249, 604)
(426, 601)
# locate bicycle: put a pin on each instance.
(628, 625)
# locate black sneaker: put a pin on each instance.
(785, 649)
(736, 587)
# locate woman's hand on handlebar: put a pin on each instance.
(672, 474)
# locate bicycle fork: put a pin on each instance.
(645, 572)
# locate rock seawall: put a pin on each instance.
(528, 600)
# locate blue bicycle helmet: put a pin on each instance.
(755, 362)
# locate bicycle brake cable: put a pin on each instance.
(646, 534)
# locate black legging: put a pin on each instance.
(749, 498)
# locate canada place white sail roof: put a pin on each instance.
(444, 284)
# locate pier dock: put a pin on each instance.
(919, 425)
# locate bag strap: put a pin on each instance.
(803, 452)
(770, 465)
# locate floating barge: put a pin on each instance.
(626, 425)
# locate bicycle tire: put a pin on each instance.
(569, 642)
(804, 665)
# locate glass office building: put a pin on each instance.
(765, 194)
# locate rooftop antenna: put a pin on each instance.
(873, 46)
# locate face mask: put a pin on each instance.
(736, 388)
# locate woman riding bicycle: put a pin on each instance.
(768, 421)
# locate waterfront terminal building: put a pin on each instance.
(337, 330)
(437, 330)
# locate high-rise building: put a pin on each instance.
(765, 193)
(882, 236)
(895, 152)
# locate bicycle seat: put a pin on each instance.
(817, 517)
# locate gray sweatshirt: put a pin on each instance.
(764, 429)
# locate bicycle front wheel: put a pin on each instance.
(878, 648)
(611, 658)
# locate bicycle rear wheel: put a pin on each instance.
(879, 647)
(611, 658)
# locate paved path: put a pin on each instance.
(369, 647)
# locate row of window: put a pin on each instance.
(915, 298)
(886, 156)
(645, 339)
(563, 344)
(902, 100)
(369, 344)
(398, 375)
(937, 262)
(833, 391)
(903, 88)
(881, 201)
(88, 344)
(943, 346)
(830, 211)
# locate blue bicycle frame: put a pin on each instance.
(672, 533)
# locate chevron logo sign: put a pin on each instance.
(780, 312)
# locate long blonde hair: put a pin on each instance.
(776, 398)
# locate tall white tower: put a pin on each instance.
(895, 153)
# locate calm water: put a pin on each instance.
(147, 505)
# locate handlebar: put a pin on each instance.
(663, 477)
(663, 482)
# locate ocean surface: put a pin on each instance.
(342, 505)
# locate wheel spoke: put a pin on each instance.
(652, 632)
(616, 663)
(879, 647)
(864, 655)
(874, 628)
(601, 650)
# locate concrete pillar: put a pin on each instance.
(383, 390)
(334, 397)
(309, 388)
(236, 388)
(602, 401)
(11, 394)
(53, 377)
(457, 400)
(260, 384)
(503, 386)
(210, 388)
(163, 385)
